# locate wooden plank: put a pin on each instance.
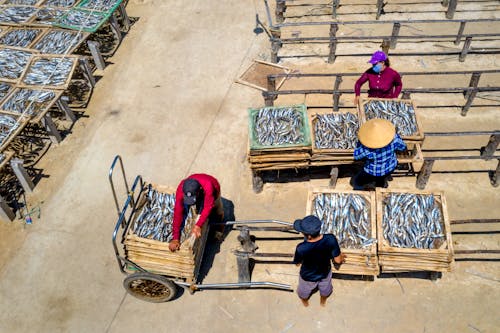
(255, 75)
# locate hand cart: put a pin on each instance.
(151, 286)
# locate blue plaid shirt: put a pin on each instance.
(380, 161)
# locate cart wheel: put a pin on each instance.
(149, 287)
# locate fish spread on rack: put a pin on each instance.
(347, 216)
(28, 101)
(336, 130)
(413, 221)
(49, 71)
(278, 126)
(400, 113)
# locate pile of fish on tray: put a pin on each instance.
(81, 19)
(49, 71)
(60, 3)
(336, 131)
(99, 5)
(16, 14)
(7, 125)
(13, 63)
(4, 89)
(48, 16)
(58, 41)
(347, 216)
(413, 221)
(156, 217)
(400, 113)
(278, 126)
(28, 101)
(19, 37)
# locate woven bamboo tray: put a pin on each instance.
(62, 86)
(154, 256)
(39, 110)
(396, 259)
(358, 261)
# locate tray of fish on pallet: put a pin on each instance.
(333, 136)
(60, 41)
(13, 62)
(351, 217)
(49, 72)
(413, 231)
(16, 15)
(20, 37)
(279, 137)
(105, 6)
(32, 103)
(150, 231)
(401, 112)
(10, 126)
(82, 20)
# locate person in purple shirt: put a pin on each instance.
(384, 82)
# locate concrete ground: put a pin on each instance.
(169, 106)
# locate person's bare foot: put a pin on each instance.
(322, 301)
(305, 302)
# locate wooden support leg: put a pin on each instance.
(380, 8)
(271, 87)
(243, 263)
(280, 11)
(495, 176)
(333, 42)
(243, 257)
(468, 104)
(115, 27)
(268, 99)
(51, 128)
(474, 81)
(87, 72)
(395, 33)
(257, 182)
(6, 214)
(336, 93)
(465, 49)
(334, 175)
(96, 54)
(424, 174)
(386, 44)
(335, 6)
(22, 175)
(275, 48)
(460, 33)
(63, 107)
(452, 6)
(124, 16)
(489, 150)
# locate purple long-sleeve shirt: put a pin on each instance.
(386, 84)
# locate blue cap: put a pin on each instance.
(309, 225)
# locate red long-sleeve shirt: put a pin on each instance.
(211, 189)
(386, 84)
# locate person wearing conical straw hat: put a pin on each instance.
(377, 146)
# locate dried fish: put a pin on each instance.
(60, 3)
(49, 71)
(2, 157)
(16, 14)
(82, 20)
(29, 101)
(13, 62)
(99, 5)
(48, 16)
(336, 130)
(21, 2)
(7, 125)
(413, 221)
(4, 89)
(19, 37)
(58, 42)
(400, 113)
(156, 217)
(347, 216)
(278, 126)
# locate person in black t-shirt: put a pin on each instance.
(314, 255)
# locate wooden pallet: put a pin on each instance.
(358, 261)
(155, 256)
(395, 259)
(417, 137)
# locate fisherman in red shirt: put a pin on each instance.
(203, 191)
(384, 82)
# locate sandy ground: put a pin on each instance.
(169, 106)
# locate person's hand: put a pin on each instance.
(196, 231)
(174, 245)
(356, 100)
(337, 261)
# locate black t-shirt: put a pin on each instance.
(316, 257)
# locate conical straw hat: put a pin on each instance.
(376, 133)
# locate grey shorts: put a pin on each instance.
(324, 286)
